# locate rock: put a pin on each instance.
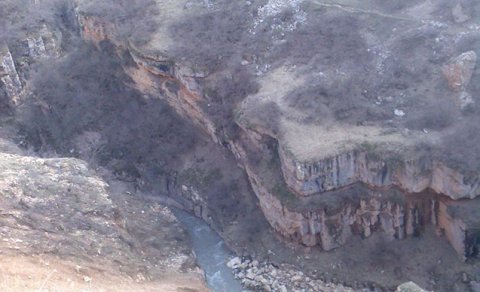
(234, 263)
(399, 113)
(9, 79)
(475, 286)
(296, 278)
(36, 47)
(460, 70)
(465, 100)
(409, 287)
(250, 275)
(244, 264)
(459, 15)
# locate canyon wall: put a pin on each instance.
(370, 192)
(377, 170)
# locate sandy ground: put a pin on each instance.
(47, 273)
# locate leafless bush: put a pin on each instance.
(434, 114)
(18, 18)
(461, 148)
(88, 91)
(134, 20)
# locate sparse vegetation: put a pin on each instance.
(283, 193)
(199, 178)
(94, 95)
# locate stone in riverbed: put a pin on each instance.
(409, 287)
(234, 263)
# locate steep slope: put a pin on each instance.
(63, 227)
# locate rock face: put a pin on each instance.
(332, 220)
(413, 176)
(38, 45)
(458, 74)
(460, 70)
(9, 76)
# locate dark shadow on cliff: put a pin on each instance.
(85, 106)
(88, 92)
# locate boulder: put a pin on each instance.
(459, 70)
(409, 287)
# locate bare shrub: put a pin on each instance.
(88, 91)
(134, 20)
(18, 18)
(435, 114)
(461, 147)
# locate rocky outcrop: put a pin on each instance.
(458, 73)
(459, 222)
(460, 70)
(9, 75)
(37, 45)
(156, 73)
(94, 29)
(377, 170)
(409, 287)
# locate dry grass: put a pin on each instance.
(41, 274)
(311, 141)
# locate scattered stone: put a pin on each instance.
(465, 100)
(234, 263)
(399, 113)
(263, 276)
(409, 287)
(475, 286)
(459, 15)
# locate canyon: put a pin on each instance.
(335, 122)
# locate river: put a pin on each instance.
(211, 252)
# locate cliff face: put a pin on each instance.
(392, 199)
(9, 76)
(376, 170)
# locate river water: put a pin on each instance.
(211, 252)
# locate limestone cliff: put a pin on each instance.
(377, 170)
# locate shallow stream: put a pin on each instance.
(211, 252)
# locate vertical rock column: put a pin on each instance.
(9, 79)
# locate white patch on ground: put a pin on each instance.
(274, 8)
